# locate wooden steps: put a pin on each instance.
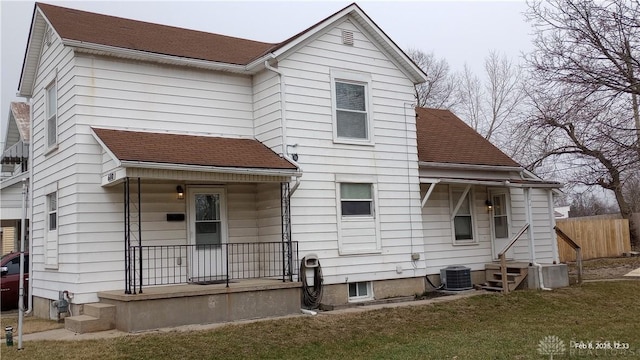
(96, 317)
(516, 273)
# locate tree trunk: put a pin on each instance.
(626, 212)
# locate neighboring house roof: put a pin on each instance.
(21, 114)
(445, 138)
(148, 147)
(17, 137)
(134, 39)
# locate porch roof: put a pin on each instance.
(191, 152)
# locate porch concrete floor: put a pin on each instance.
(181, 290)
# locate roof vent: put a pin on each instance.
(347, 37)
(47, 36)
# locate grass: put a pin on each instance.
(482, 327)
(30, 323)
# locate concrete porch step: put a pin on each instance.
(96, 317)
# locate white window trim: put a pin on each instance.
(50, 148)
(354, 78)
(48, 234)
(361, 179)
(369, 295)
(454, 206)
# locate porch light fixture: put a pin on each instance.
(180, 192)
(489, 205)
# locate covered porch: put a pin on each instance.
(219, 215)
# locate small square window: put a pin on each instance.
(360, 291)
(356, 199)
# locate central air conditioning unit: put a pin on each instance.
(456, 278)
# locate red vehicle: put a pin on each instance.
(10, 279)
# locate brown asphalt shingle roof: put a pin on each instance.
(191, 150)
(155, 38)
(444, 138)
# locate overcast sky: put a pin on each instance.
(461, 32)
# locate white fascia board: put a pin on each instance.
(106, 149)
(100, 49)
(439, 165)
(213, 169)
(32, 53)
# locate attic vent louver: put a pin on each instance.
(47, 36)
(347, 37)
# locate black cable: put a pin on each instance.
(311, 295)
(433, 286)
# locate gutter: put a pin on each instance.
(224, 170)
(439, 165)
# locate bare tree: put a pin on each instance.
(584, 72)
(489, 105)
(586, 204)
(440, 89)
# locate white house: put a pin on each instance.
(15, 171)
(166, 158)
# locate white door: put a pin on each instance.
(500, 222)
(207, 234)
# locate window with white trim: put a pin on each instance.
(351, 107)
(52, 211)
(51, 113)
(356, 199)
(462, 215)
(359, 291)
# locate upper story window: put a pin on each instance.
(462, 215)
(51, 113)
(352, 107)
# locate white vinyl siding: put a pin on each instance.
(392, 160)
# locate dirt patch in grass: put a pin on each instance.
(30, 325)
(605, 268)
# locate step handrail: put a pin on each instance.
(503, 258)
(575, 247)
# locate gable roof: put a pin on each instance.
(17, 137)
(217, 152)
(83, 26)
(445, 138)
(142, 40)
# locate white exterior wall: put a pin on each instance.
(11, 202)
(53, 170)
(438, 232)
(391, 162)
(440, 251)
(266, 110)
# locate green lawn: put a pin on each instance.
(481, 327)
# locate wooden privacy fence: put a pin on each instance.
(597, 237)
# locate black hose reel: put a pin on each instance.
(311, 294)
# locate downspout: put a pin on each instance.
(30, 207)
(283, 122)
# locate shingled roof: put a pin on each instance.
(191, 150)
(445, 138)
(114, 31)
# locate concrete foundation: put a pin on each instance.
(338, 294)
(44, 309)
(195, 304)
(553, 275)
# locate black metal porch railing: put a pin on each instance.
(210, 264)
